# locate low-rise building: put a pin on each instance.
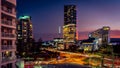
(58, 42)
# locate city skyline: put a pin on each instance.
(91, 15)
(60, 33)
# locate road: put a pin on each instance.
(78, 58)
(68, 58)
(67, 65)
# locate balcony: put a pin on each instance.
(6, 59)
(10, 35)
(7, 47)
(8, 11)
(12, 1)
(7, 22)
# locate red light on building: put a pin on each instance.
(77, 35)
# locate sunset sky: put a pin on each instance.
(48, 15)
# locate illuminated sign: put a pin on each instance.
(106, 28)
(24, 17)
(87, 43)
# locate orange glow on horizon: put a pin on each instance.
(115, 36)
(85, 36)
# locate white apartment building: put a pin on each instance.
(7, 33)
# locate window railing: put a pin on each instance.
(7, 22)
(6, 47)
(8, 10)
(6, 59)
(8, 35)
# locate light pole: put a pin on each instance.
(112, 55)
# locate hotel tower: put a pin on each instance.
(69, 28)
(7, 33)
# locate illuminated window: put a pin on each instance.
(19, 38)
(106, 28)
(24, 30)
(25, 40)
(31, 26)
(24, 34)
(18, 35)
(30, 36)
(25, 23)
(25, 27)
(18, 27)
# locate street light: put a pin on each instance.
(112, 55)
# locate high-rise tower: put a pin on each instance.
(69, 28)
(24, 35)
(7, 33)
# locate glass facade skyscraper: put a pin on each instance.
(69, 28)
(69, 14)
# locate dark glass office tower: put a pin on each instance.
(69, 14)
(69, 28)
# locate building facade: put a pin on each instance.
(97, 38)
(102, 35)
(7, 33)
(58, 43)
(89, 44)
(69, 28)
(24, 35)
